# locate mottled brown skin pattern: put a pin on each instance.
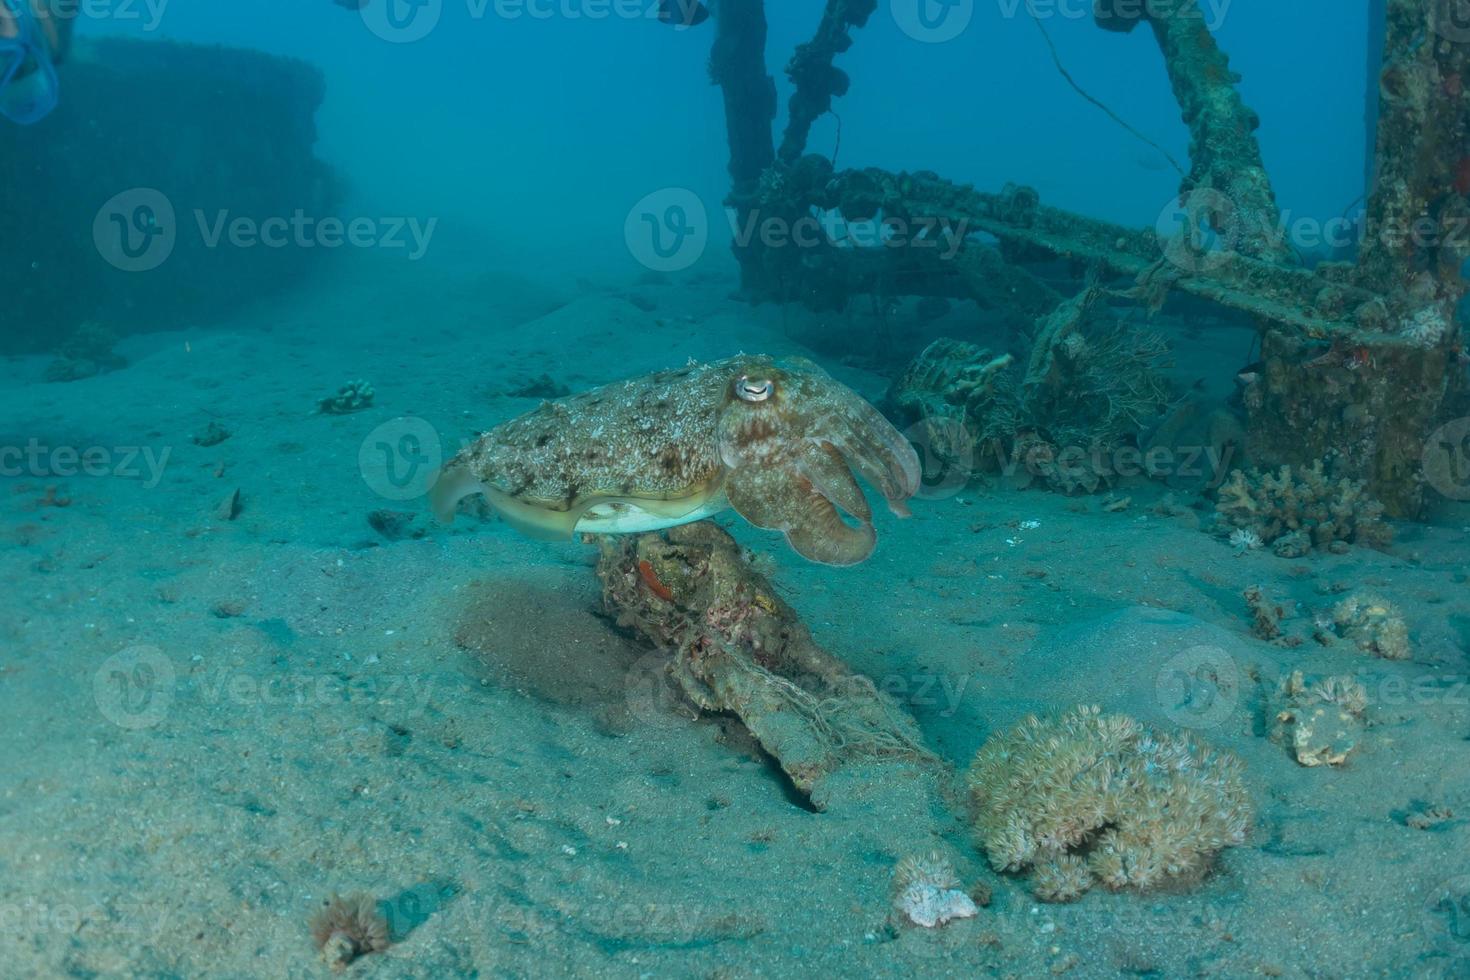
(776, 438)
(649, 437)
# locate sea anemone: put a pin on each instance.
(346, 928)
(1244, 539)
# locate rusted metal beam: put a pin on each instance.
(1418, 218)
(817, 81)
(1323, 303)
(737, 64)
(1224, 155)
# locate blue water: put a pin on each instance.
(539, 127)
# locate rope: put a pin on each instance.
(1057, 60)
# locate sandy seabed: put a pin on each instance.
(220, 710)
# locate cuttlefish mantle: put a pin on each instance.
(776, 441)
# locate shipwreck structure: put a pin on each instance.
(116, 207)
(1359, 360)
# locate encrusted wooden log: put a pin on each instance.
(736, 647)
(1224, 154)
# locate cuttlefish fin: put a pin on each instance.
(531, 520)
(452, 484)
(785, 499)
(456, 482)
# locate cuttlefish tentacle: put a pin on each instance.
(877, 450)
(879, 453)
(823, 467)
(777, 441)
(785, 500)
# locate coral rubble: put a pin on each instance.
(1087, 797)
(211, 435)
(948, 396)
(354, 396)
(1297, 510)
(1089, 387)
(1320, 722)
(926, 892)
(1429, 816)
(1373, 623)
(1266, 613)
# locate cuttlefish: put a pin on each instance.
(775, 441)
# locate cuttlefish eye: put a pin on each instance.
(749, 389)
